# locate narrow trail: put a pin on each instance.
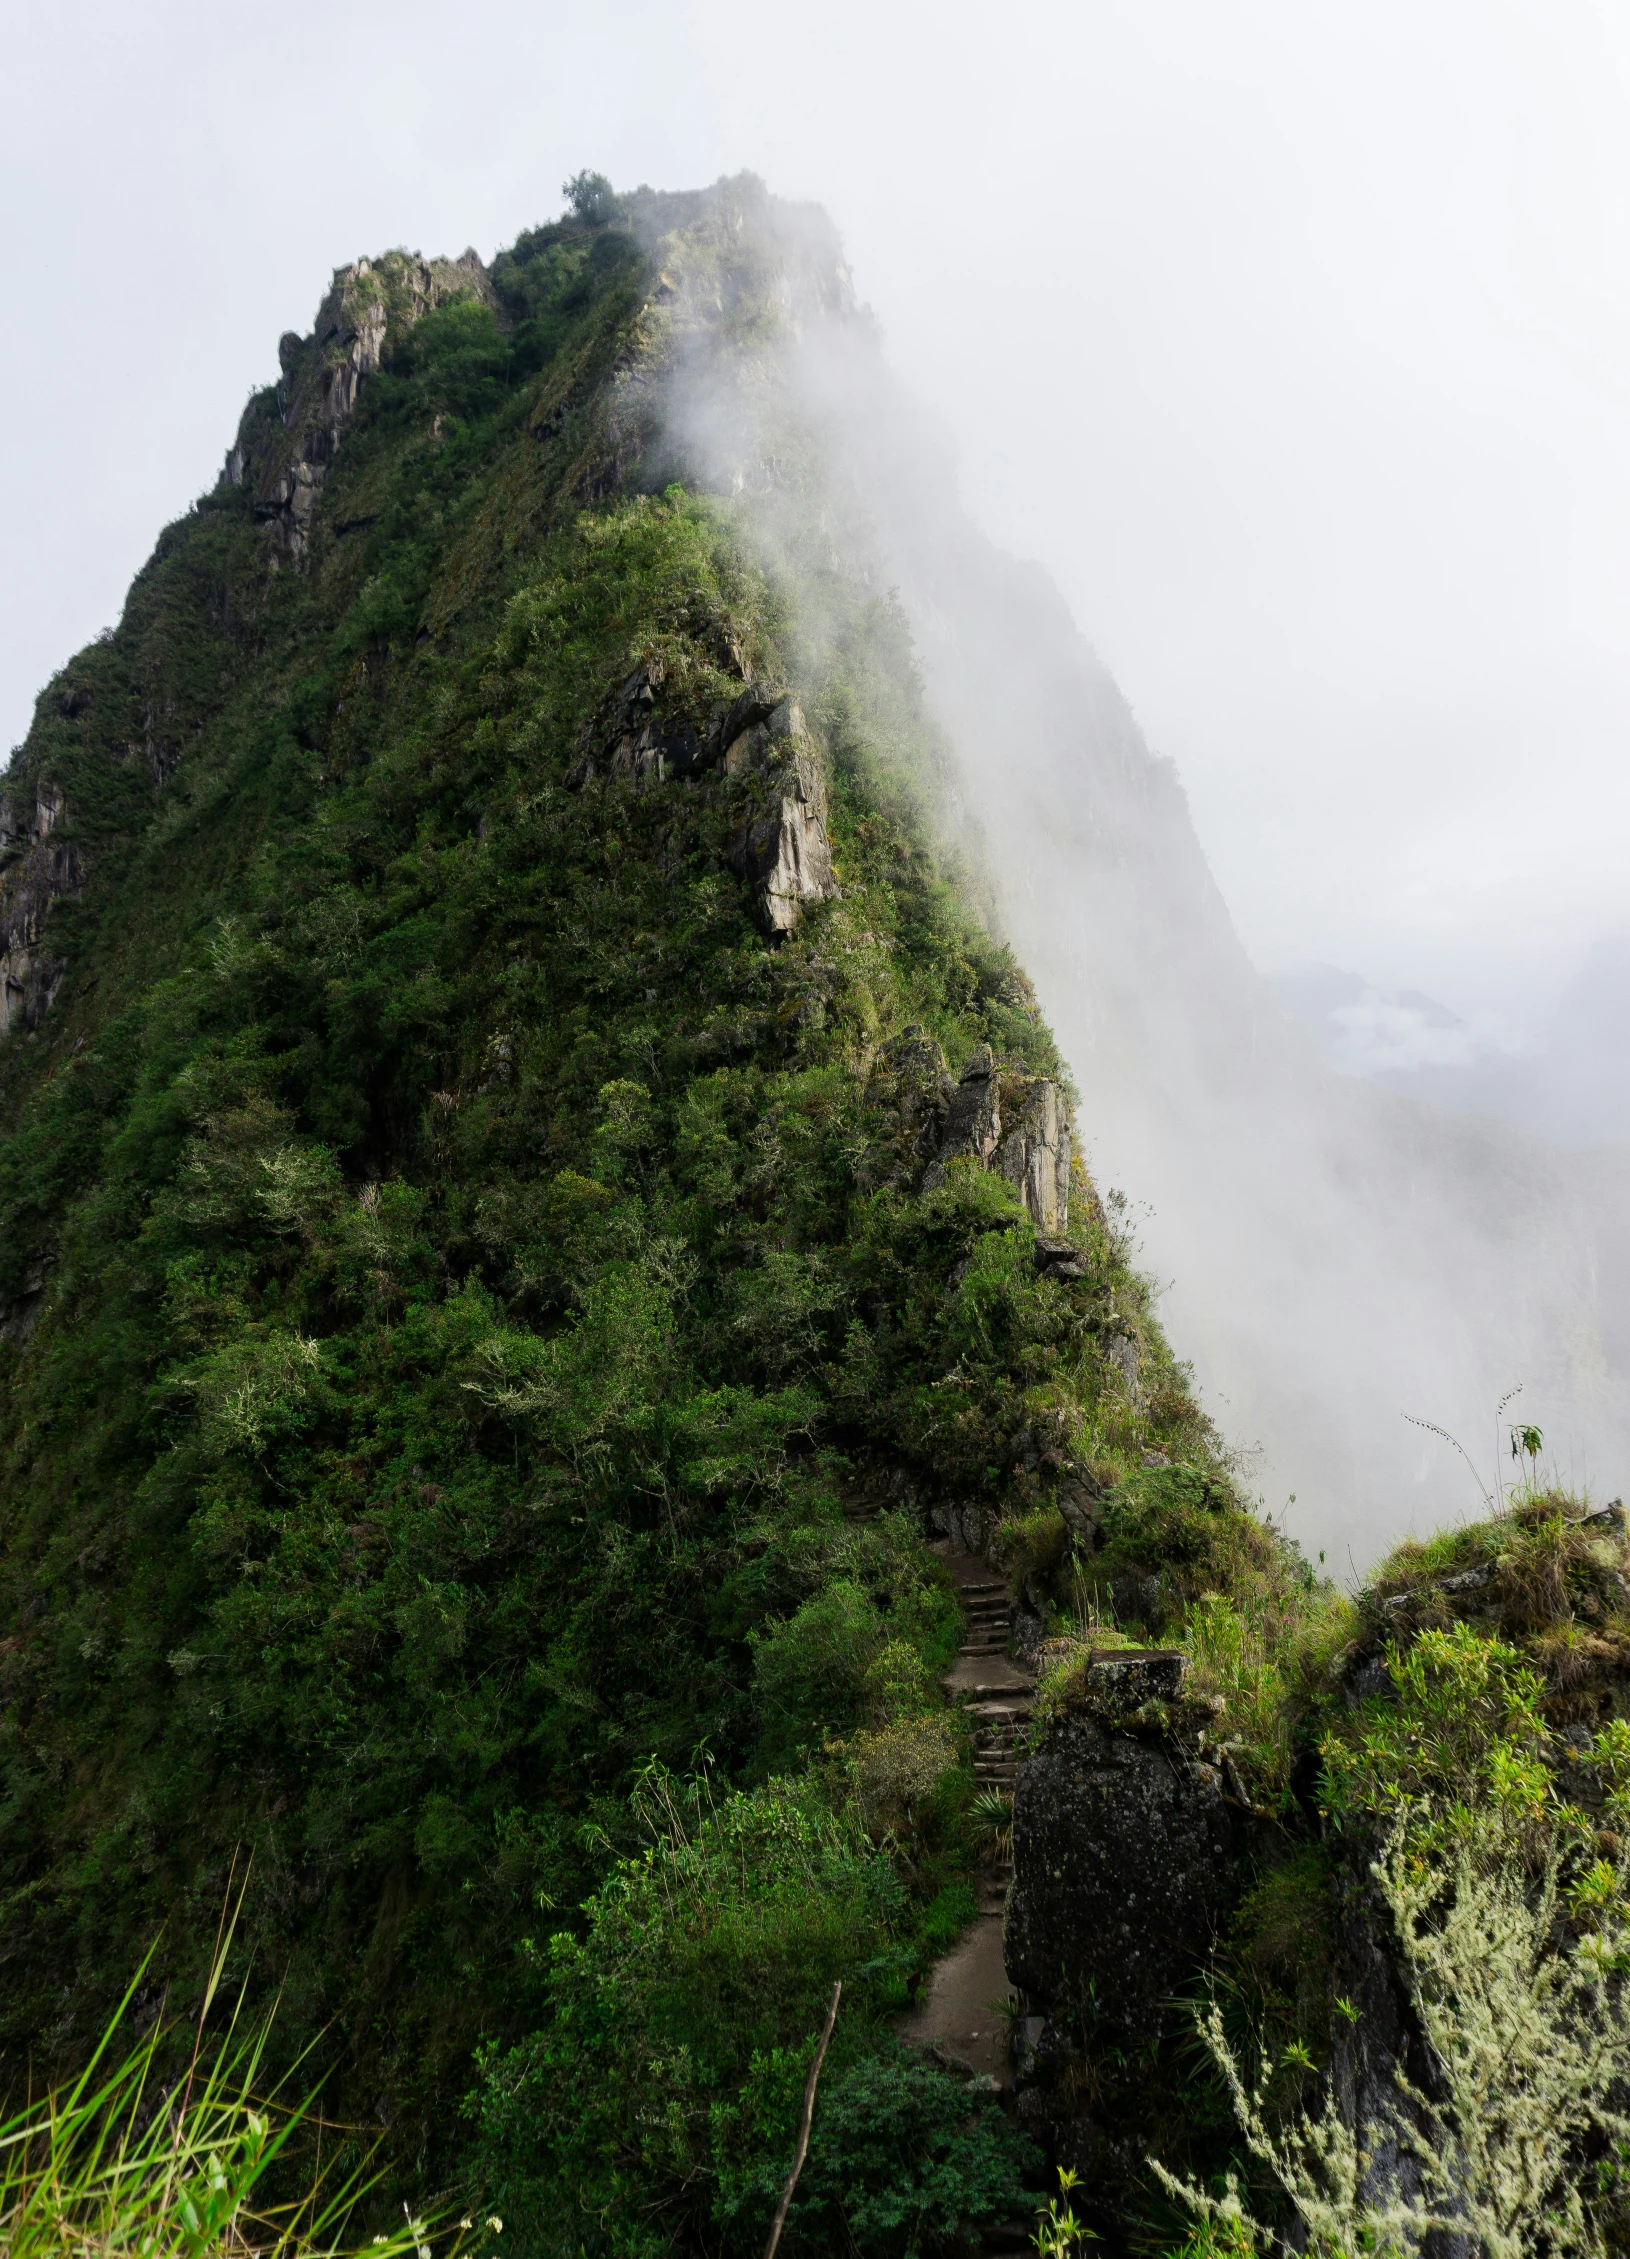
(959, 2016)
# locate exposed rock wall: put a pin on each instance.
(1123, 1848)
(36, 868)
(765, 753)
(1018, 1125)
(782, 849)
(369, 303)
(1126, 1851)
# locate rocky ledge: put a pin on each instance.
(760, 750)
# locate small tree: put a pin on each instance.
(591, 198)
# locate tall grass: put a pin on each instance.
(117, 2163)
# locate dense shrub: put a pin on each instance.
(662, 2087)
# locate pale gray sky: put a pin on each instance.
(1294, 338)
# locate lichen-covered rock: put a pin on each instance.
(1124, 1847)
(783, 849)
(1080, 1498)
(1034, 1154)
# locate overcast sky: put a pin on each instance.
(1294, 338)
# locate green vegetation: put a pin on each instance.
(658, 2086)
(1478, 1794)
(475, 1348)
(109, 2164)
(477, 1367)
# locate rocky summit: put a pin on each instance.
(582, 1461)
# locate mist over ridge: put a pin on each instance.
(664, 1276)
(1334, 1254)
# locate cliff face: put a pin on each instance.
(34, 873)
(287, 445)
(1337, 1256)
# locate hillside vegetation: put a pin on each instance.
(496, 1306)
(478, 1359)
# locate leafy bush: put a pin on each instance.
(1236, 1657)
(902, 2161)
(1463, 1736)
(662, 2085)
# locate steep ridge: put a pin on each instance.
(1337, 1256)
(529, 1191)
(556, 1328)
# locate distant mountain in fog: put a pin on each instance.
(1569, 1082)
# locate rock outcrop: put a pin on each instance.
(1124, 1849)
(762, 748)
(782, 849)
(36, 867)
(1018, 1125)
(369, 303)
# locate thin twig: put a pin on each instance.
(802, 2150)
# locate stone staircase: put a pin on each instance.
(998, 1708)
(998, 1713)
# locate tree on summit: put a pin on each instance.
(591, 197)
